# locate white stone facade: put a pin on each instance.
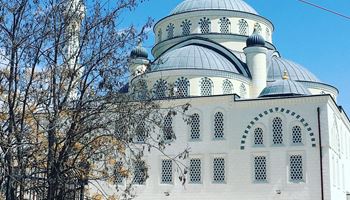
(288, 146)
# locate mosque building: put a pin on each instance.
(262, 127)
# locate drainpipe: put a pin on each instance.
(320, 146)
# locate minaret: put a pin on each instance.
(256, 54)
(74, 15)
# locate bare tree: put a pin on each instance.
(63, 121)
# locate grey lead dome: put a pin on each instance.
(193, 57)
(284, 88)
(233, 5)
(139, 52)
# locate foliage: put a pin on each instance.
(63, 122)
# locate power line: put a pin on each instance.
(326, 9)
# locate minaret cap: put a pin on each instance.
(255, 39)
(139, 52)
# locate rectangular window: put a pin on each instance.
(296, 169)
(195, 170)
(139, 172)
(119, 172)
(219, 170)
(167, 172)
(260, 174)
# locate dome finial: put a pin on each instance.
(285, 75)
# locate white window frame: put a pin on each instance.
(161, 171)
(199, 157)
(213, 125)
(290, 135)
(265, 136)
(268, 164)
(303, 155)
(200, 128)
(284, 129)
(224, 156)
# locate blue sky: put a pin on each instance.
(316, 39)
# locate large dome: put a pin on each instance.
(193, 57)
(277, 67)
(233, 5)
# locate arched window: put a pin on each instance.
(243, 91)
(141, 132)
(168, 128)
(206, 87)
(218, 125)
(195, 127)
(277, 131)
(227, 87)
(186, 27)
(243, 27)
(257, 28)
(170, 29)
(204, 25)
(268, 34)
(296, 135)
(182, 87)
(258, 136)
(160, 89)
(225, 25)
(159, 35)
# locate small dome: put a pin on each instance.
(255, 40)
(139, 52)
(284, 88)
(296, 72)
(194, 57)
(232, 5)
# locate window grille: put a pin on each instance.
(170, 29)
(167, 171)
(296, 168)
(260, 168)
(160, 89)
(204, 24)
(182, 87)
(139, 172)
(277, 131)
(243, 27)
(186, 27)
(206, 87)
(159, 35)
(268, 34)
(195, 127)
(225, 25)
(243, 91)
(227, 87)
(258, 136)
(296, 135)
(141, 132)
(219, 170)
(195, 171)
(218, 125)
(257, 28)
(168, 128)
(119, 176)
